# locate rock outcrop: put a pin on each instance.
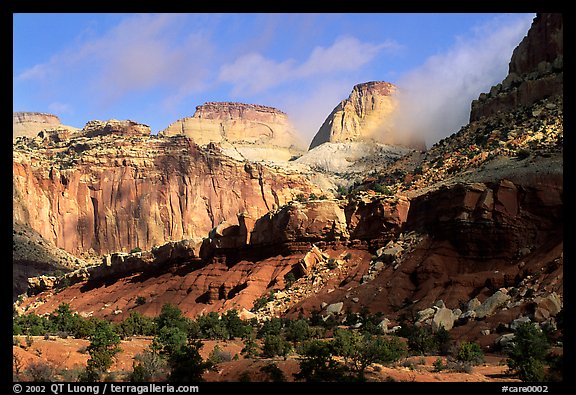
(257, 132)
(364, 116)
(122, 189)
(28, 124)
(536, 70)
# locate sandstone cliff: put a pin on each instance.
(472, 239)
(257, 132)
(30, 123)
(121, 188)
(536, 70)
(364, 116)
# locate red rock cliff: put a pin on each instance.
(115, 192)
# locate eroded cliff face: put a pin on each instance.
(120, 188)
(257, 132)
(30, 123)
(364, 116)
(536, 70)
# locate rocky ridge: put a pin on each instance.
(255, 132)
(113, 187)
(472, 240)
(28, 124)
(364, 116)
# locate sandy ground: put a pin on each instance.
(69, 356)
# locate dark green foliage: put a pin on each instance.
(318, 363)
(234, 325)
(361, 351)
(271, 327)
(323, 197)
(342, 191)
(298, 331)
(31, 324)
(289, 279)
(250, 349)
(383, 189)
(135, 250)
(172, 317)
(522, 154)
(261, 301)
(275, 345)
(301, 198)
(104, 345)
(169, 340)
(187, 364)
(443, 341)
(312, 196)
(40, 372)
(421, 340)
(212, 327)
(528, 354)
(470, 353)
(217, 355)
(63, 320)
(140, 300)
(274, 373)
(136, 325)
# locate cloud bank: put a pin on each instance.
(253, 73)
(434, 98)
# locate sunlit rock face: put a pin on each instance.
(366, 115)
(257, 132)
(28, 124)
(122, 188)
(536, 70)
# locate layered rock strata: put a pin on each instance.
(535, 72)
(120, 188)
(364, 116)
(256, 131)
(28, 124)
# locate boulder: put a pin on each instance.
(519, 321)
(490, 305)
(443, 318)
(335, 308)
(547, 307)
(425, 314)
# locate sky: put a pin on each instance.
(156, 68)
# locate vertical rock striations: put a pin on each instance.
(364, 116)
(121, 188)
(536, 70)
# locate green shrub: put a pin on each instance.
(528, 354)
(172, 317)
(140, 300)
(275, 345)
(275, 374)
(135, 250)
(318, 364)
(298, 331)
(522, 154)
(470, 352)
(104, 345)
(235, 326)
(212, 327)
(250, 349)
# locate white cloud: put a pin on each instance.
(253, 73)
(142, 52)
(435, 97)
(60, 108)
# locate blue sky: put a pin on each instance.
(156, 68)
